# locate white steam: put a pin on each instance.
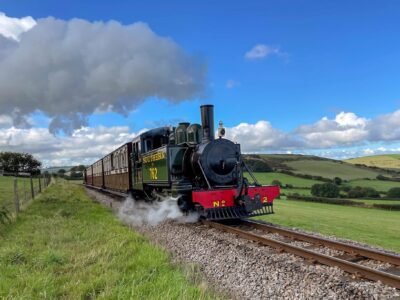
(139, 213)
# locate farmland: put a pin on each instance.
(331, 169)
(267, 178)
(371, 226)
(66, 246)
(379, 185)
(7, 191)
(388, 161)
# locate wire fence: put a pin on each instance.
(17, 192)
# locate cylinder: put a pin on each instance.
(207, 122)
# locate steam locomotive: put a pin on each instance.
(203, 173)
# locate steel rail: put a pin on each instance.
(350, 267)
(352, 249)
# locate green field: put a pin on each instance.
(302, 192)
(7, 191)
(267, 178)
(388, 161)
(331, 169)
(379, 185)
(64, 246)
(371, 226)
(376, 201)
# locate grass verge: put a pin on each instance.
(65, 246)
(370, 226)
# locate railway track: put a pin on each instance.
(356, 253)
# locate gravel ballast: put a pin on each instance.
(246, 270)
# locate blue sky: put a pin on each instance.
(331, 57)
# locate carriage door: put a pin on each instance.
(137, 167)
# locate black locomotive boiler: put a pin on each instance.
(204, 173)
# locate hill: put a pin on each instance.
(317, 166)
(388, 161)
(52, 170)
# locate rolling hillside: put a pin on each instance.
(319, 166)
(388, 161)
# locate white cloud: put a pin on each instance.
(70, 69)
(230, 84)
(5, 121)
(259, 137)
(12, 28)
(345, 129)
(261, 51)
(85, 145)
(385, 127)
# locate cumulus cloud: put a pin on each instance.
(260, 136)
(69, 69)
(385, 127)
(84, 145)
(345, 129)
(12, 28)
(261, 51)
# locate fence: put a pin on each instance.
(16, 192)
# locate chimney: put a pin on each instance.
(207, 121)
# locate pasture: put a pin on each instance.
(65, 246)
(7, 191)
(379, 185)
(370, 226)
(267, 178)
(331, 169)
(387, 161)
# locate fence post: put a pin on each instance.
(32, 190)
(40, 185)
(16, 198)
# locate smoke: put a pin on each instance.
(70, 69)
(139, 213)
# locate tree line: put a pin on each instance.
(15, 163)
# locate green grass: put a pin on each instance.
(371, 226)
(331, 169)
(267, 178)
(302, 192)
(7, 191)
(379, 185)
(388, 161)
(65, 246)
(376, 201)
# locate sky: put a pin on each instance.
(79, 78)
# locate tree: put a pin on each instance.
(360, 192)
(394, 192)
(13, 162)
(337, 180)
(328, 190)
(276, 182)
(61, 172)
(79, 168)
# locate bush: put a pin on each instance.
(257, 165)
(327, 190)
(394, 193)
(345, 188)
(337, 180)
(276, 182)
(361, 192)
